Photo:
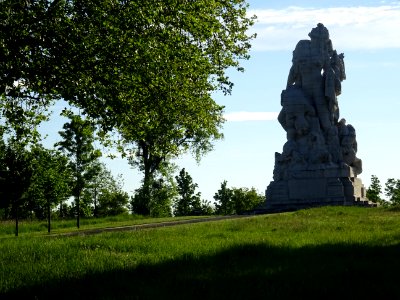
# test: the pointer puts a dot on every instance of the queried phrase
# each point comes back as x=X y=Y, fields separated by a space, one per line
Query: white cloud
x=350 y=28
x=250 y=116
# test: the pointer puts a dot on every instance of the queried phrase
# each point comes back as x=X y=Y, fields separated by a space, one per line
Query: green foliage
x=113 y=203
x=392 y=190
x=20 y=119
x=146 y=69
x=16 y=175
x=157 y=192
x=183 y=51
x=374 y=190
x=126 y=62
x=188 y=202
x=162 y=193
x=206 y=208
x=103 y=194
x=77 y=142
x=223 y=200
x=50 y=180
x=139 y=203
x=245 y=199
x=24 y=66
x=236 y=200
x=85 y=206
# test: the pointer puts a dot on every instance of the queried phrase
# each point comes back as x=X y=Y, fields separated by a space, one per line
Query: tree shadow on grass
x=247 y=272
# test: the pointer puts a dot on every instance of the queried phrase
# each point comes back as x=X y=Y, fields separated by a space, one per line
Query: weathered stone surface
x=318 y=164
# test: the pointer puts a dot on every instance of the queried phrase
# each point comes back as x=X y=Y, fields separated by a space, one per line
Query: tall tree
x=188 y=201
x=374 y=190
x=77 y=143
x=147 y=69
x=192 y=45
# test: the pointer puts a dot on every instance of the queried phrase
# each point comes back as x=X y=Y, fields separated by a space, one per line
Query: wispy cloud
x=351 y=28
x=242 y=116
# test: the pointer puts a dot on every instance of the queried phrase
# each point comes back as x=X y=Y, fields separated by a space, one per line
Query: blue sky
x=368 y=34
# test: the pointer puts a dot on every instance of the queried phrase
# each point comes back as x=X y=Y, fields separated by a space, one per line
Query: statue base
x=338 y=186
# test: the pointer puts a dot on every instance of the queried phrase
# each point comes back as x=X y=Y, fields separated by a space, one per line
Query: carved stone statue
x=318 y=164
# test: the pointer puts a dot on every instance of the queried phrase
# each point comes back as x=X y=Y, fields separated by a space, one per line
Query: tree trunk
x=61 y=213
x=78 y=211
x=95 y=203
x=48 y=216
x=146 y=191
x=150 y=165
x=144 y=206
x=16 y=219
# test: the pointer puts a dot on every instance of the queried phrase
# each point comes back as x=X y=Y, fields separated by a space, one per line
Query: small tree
x=16 y=163
x=50 y=181
x=188 y=202
x=392 y=190
x=374 y=190
x=223 y=199
x=78 y=139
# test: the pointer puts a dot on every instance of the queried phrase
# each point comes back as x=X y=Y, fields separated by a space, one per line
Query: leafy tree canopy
x=146 y=69
x=110 y=57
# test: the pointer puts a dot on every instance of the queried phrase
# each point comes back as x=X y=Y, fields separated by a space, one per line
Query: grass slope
x=345 y=252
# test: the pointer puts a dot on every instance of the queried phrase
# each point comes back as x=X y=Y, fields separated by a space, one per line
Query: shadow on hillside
x=330 y=271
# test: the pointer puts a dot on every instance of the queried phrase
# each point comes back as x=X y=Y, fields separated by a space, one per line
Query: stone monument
x=318 y=164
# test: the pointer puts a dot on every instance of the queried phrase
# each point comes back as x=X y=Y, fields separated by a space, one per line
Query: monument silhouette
x=318 y=164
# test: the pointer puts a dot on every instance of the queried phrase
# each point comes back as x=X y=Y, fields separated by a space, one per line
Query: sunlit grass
x=324 y=250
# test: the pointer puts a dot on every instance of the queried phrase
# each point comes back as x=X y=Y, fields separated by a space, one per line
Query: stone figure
x=296 y=112
x=318 y=162
x=348 y=144
x=311 y=60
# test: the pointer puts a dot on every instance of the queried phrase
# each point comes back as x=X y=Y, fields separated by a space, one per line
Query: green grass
x=29 y=228
x=343 y=252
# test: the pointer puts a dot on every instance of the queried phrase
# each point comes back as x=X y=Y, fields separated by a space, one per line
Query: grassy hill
x=346 y=252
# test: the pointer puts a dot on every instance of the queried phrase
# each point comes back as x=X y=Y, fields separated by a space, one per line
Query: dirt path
x=147 y=226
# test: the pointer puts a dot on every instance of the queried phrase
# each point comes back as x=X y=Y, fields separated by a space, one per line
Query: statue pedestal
x=308 y=188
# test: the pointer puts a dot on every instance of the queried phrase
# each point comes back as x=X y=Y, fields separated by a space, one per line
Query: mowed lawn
x=330 y=252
